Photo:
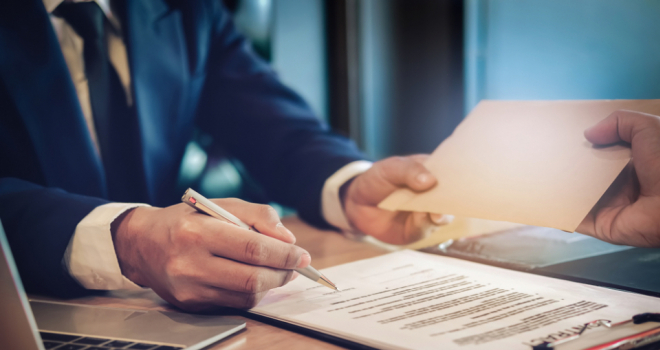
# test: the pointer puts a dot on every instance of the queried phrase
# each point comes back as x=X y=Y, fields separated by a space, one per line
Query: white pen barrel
x=310 y=273
x=191 y=197
x=200 y=203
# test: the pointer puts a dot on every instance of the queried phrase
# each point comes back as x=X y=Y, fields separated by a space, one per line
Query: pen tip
x=326 y=282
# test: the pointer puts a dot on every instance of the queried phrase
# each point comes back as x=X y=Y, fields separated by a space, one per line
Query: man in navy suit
x=97 y=102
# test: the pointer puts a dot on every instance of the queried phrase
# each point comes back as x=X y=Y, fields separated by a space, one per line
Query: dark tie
x=116 y=124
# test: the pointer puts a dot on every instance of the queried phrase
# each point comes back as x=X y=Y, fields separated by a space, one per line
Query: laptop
x=40 y=325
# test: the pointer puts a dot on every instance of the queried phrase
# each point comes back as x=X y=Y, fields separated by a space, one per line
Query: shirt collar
x=51 y=5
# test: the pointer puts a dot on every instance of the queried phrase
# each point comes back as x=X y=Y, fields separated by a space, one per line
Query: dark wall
x=427 y=73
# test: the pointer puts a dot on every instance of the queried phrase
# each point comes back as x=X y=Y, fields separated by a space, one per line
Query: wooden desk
x=327 y=249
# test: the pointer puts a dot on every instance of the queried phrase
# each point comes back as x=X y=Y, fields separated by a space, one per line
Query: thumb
x=642 y=131
x=390 y=174
x=622 y=125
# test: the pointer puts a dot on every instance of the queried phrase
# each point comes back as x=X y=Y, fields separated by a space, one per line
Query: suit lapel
x=36 y=76
x=156 y=48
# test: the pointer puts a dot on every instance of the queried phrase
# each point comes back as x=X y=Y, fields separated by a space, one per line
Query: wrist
x=337 y=192
x=123 y=230
x=121 y=223
x=345 y=196
x=343 y=193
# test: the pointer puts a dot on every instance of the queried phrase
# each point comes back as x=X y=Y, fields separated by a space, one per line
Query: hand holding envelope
x=529 y=162
x=629 y=212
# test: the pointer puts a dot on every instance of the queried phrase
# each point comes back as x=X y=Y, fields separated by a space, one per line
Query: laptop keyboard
x=59 y=341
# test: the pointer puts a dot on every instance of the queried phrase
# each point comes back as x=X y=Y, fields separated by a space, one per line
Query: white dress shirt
x=90 y=256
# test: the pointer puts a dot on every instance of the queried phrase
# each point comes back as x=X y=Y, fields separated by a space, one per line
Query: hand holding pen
x=197 y=262
x=203 y=205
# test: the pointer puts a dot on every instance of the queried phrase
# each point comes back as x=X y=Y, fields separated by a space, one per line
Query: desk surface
x=327 y=249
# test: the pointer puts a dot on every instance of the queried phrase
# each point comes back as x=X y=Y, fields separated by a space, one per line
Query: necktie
x=116 y=124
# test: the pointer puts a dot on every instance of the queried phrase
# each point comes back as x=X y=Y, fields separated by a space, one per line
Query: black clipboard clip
x=628 y=342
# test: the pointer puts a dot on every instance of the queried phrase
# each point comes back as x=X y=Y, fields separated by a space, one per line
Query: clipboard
x=639 y=331
x=409 y=282
x=328 y=338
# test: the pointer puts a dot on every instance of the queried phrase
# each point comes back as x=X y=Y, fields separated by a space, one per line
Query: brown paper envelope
x=525 y=162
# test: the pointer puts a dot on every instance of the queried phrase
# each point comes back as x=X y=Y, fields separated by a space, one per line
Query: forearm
x=268 y=127
x=39 y=223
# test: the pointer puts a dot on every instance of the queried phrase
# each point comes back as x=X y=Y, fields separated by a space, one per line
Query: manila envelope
x=526 y=162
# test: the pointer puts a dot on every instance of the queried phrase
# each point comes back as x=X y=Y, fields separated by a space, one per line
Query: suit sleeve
x=39 y=223
x=267 y=126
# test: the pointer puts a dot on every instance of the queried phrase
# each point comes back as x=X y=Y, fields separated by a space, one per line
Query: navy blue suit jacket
x=189 y=67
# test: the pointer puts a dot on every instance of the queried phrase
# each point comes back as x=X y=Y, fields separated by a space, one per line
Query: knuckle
x=415 y=166
x=186 y=298
x=287 y=278
x=268 y=211
x=185 y=224
x=232 y=201
x=251 y=300
x=651 y=121
x=290 y=258
x=175 y=268
x=254 y=282
x=381 y=170
x=398 y=160
x=255 y=251
x=186 y=232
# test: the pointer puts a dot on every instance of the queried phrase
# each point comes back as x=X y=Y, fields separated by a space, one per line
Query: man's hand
x=197 y=262
x=629 y=212
x=362 y=195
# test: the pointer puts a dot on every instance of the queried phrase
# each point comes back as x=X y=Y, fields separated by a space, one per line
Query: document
x=526 y=162
x=413 y=300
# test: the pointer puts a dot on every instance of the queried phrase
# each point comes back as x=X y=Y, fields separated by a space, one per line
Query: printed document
x=413 y=300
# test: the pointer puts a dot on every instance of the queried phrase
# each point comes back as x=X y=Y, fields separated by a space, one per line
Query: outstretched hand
x=363 y=194
x=629 y=212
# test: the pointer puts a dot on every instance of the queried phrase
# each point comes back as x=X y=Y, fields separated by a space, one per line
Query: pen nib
x=326 y=282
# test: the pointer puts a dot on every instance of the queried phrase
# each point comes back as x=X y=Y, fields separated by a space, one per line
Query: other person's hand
x=197 y=262
x=629 y=212
x=362 y=195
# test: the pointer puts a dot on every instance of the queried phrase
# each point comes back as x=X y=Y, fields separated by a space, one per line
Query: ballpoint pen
x=202 y=204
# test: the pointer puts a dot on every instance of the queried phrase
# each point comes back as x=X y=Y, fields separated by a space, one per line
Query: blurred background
x=397 y=76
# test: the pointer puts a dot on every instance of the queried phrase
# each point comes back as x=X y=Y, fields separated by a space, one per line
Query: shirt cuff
x=90 y=257
x=331 y=205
